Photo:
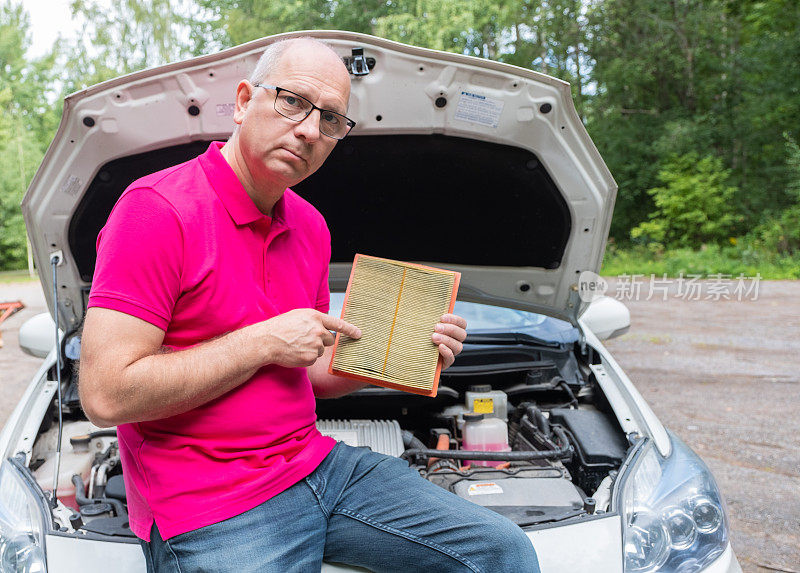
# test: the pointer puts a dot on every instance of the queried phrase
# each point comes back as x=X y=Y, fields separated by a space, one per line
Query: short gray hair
x=272 y=56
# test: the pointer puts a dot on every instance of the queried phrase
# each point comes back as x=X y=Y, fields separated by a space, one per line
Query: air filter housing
x=382 y=436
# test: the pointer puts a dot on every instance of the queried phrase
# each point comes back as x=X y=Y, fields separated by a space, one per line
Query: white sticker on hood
x=484 y=488
x=71 y=187
x=476 y=108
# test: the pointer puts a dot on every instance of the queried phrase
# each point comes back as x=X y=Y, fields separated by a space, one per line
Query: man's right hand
x=299 y=337
x=127 y=377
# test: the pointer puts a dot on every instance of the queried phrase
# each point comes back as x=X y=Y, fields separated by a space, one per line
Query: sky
x=49 y=18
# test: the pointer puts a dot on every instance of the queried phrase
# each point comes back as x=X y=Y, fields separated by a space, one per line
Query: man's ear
x=244 y=93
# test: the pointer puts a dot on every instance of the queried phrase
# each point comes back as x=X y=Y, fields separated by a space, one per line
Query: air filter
x=396 y=306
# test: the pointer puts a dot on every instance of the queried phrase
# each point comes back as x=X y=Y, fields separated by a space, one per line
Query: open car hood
x=459 y=162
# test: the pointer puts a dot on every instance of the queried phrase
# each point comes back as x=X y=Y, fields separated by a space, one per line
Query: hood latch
x=358 y=64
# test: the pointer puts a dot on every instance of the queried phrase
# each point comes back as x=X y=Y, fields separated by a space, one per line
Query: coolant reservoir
x=481 y=399
x=71 y=464
x=74 y=460
x=484 y=435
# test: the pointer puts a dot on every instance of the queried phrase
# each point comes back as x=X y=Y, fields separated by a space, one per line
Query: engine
x=538 y=444
x=535 y=467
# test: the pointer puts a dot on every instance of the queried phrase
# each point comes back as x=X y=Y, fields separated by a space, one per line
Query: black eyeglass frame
x=349 y=122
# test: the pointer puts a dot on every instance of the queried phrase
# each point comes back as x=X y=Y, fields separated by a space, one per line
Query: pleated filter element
x=396 y=305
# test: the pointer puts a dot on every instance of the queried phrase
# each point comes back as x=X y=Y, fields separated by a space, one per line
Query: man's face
x=277 y=150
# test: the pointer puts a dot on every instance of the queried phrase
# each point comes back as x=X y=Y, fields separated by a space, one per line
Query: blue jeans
x=358 y=508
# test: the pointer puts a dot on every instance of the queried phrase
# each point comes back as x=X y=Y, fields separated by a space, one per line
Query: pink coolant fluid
x=485 y=435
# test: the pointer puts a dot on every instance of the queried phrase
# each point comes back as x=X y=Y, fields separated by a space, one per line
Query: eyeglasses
x=295 y=107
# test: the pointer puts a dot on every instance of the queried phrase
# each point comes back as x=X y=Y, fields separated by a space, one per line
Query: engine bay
x=519 y=426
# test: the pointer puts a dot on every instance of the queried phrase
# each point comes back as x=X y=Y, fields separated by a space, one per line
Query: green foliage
x=665 y=75
x=436 y=24
x=626 y=145
x=129 y=35
x=781 y=233
x=768 y=84
x=686 y=100
x=19 y=157
x=549 y=36
x=25 y=122
x=244 y=20
x=693 y=207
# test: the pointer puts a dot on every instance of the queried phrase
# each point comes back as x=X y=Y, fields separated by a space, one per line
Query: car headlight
x=21 y=525
x=674 y=518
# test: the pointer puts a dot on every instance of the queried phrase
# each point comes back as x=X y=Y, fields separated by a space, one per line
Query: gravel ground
x=721 y=374
x=16 y=367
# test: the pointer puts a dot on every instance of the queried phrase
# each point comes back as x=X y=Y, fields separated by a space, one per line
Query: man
x=206 y=342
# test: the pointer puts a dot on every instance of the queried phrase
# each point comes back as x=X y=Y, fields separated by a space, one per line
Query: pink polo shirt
x=186 y=250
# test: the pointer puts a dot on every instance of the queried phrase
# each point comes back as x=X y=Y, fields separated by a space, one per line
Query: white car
x=594 y=479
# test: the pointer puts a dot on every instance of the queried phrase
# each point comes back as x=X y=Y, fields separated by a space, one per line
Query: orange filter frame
x=424 y=391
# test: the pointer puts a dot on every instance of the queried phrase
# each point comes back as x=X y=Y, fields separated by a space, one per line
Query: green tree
x=663 y=74
x=781 y=233
x=20 y=155
x=654 y=80
x=436 y=24
x=768 y=103
x=546 y=35
x=130 y=35
x=559 y=43
x=245 y=20
x=693 y=207
x=26 y=122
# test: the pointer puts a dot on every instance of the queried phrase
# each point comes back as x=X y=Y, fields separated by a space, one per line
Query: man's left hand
x=449 y=335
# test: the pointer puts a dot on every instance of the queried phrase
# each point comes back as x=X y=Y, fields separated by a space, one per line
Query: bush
x=693 y=208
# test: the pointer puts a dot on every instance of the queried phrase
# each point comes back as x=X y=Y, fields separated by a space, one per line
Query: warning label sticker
x=479 y=109
x=484 y=488
x=483 y=405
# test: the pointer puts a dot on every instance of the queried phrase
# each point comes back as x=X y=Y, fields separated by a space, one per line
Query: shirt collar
x=232 y=193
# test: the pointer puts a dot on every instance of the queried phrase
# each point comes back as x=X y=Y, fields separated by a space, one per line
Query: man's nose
x=308 y=129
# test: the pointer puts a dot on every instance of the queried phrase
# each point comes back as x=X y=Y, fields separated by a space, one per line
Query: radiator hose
x=564 y=450
x=81 y=499
x=411 y=441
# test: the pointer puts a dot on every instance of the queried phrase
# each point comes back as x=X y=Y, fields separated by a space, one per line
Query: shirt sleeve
x=323 y=291
x=140 y=258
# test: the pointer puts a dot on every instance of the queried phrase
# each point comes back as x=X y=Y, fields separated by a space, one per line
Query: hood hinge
x=573 y=310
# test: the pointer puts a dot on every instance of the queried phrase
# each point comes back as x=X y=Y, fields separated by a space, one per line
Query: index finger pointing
x=339 y=325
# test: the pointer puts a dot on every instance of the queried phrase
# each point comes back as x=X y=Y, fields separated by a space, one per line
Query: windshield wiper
x=510 y=338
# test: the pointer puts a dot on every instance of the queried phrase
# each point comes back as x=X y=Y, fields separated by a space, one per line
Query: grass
x=711 y=260
x=17 y=276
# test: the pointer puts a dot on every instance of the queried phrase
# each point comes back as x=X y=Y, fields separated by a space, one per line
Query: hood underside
x=459 y=162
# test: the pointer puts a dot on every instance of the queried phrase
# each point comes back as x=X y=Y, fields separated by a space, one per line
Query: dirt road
x=722 y=374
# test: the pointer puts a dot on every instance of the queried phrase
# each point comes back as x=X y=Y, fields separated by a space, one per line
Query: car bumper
x=593 y=545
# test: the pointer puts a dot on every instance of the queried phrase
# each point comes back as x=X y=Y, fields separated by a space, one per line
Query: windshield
x=484 y=318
